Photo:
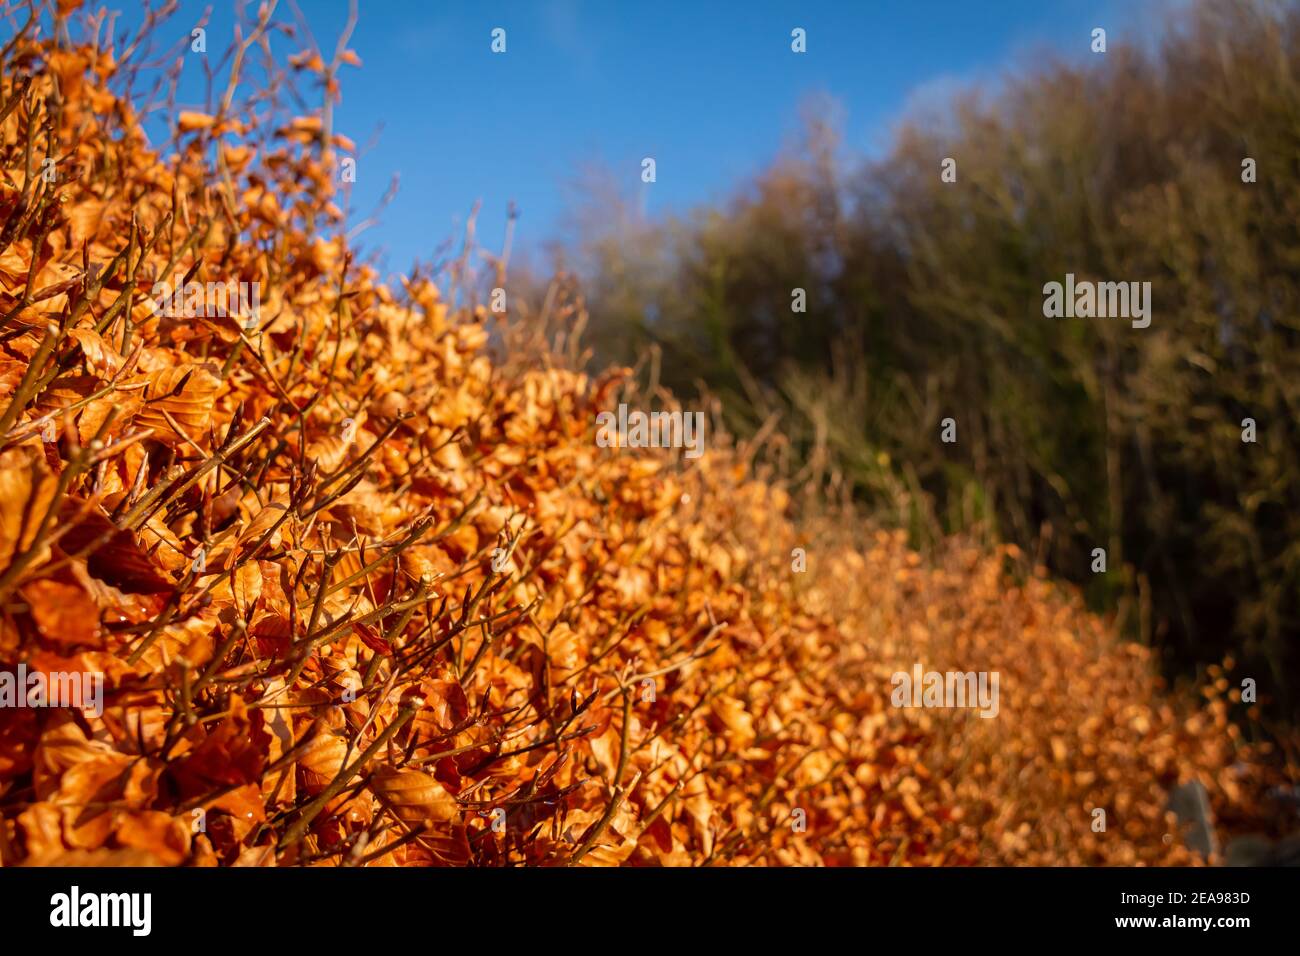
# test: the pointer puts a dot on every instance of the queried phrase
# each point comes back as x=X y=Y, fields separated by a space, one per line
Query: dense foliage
x=365 y=590
x=924 y=300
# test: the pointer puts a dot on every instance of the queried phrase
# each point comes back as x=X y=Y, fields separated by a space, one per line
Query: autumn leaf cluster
x=364 y=589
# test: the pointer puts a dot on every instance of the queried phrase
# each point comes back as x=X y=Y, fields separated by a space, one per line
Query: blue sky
x=711 y=90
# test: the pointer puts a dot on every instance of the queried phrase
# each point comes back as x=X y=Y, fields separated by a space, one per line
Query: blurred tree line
x=924 y=300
